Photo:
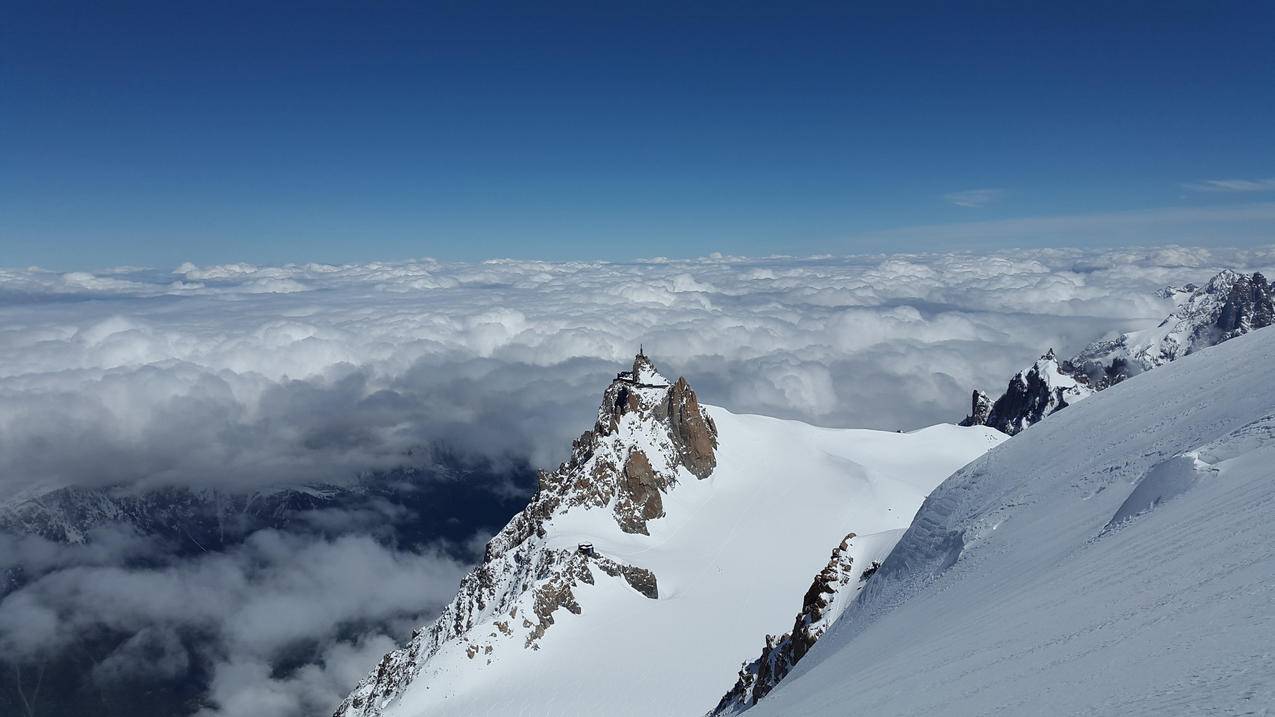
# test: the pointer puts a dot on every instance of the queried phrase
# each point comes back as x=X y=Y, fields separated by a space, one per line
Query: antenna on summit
x=640 y=352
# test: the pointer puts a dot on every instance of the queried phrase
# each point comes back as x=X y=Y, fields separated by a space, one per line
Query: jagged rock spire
x=640 y=412
x=980 y=409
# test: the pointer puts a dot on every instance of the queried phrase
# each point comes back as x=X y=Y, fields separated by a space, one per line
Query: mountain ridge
x=1230 y=304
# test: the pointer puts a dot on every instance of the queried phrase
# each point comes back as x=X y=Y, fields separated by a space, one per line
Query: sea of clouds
x=240 y=377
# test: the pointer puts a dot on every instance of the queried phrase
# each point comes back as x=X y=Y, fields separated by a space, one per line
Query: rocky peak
x=1250 y=304
x=644 y=373
x=649 y=434
x=1031 y=395
x=1221 y=283
x=980 y=409
x=646 y=430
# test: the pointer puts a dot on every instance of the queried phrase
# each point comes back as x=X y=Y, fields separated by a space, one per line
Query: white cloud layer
x=239 y=376
x=246 y=374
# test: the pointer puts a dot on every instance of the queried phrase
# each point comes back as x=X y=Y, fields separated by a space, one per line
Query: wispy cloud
x=973 y=197
x=1232 y=185
x=1243 y=224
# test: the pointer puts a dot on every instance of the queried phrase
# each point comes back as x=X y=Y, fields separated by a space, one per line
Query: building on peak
x=644 y=373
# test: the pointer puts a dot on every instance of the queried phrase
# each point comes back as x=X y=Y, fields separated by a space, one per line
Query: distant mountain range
x=1229 y=305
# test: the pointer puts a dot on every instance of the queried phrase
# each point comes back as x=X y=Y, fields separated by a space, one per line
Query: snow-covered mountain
x=702 y=529
x=1229 y=305
x=1115 y=559
x=1032 y=394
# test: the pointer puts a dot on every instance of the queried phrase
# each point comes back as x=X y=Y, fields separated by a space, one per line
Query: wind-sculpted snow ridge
x=649 y=434
x=1116 y=559
x=684 y=568
x=1229 y=305
x=831 y=592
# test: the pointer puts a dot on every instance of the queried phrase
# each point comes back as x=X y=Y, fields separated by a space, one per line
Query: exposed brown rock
x=641 y=580
x=693 y=431
x=780 y=654
x=642 y=489
x=554 y=594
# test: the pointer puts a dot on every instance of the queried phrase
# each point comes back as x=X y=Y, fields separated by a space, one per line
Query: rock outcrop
x=829 y=594
x=1031 y=395
x=649 y=435
x=980 y=409
x=1229 y=305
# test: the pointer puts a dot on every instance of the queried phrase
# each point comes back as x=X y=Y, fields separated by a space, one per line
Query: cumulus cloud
x=973 y=197
x=199 y=376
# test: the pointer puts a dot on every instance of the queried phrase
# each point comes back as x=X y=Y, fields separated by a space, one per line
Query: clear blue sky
x=158 y=133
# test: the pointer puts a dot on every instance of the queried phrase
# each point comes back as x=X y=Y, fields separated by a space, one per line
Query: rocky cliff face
x=980 y=409
x=1229 y=305
x=832 y=590
x=1250 y=304
x=1031 y=395
x=649 y=434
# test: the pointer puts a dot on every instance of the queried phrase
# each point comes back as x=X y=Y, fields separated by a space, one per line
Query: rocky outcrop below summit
x=828 y=596
x=649 y=435
x=1229 y=305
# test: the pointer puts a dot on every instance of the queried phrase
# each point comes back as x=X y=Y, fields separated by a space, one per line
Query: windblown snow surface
x=732 y=555
x=1118 y=558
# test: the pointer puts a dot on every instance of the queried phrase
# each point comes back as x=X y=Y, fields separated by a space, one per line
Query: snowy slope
x=730 y=554
x=1118 y=558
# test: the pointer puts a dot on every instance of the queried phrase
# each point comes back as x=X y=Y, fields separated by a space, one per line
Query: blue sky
x=159 y=133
